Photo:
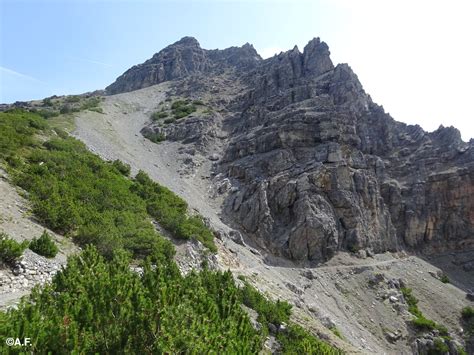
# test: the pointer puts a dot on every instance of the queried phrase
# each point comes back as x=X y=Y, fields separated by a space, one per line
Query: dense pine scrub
x=268 y=312
x=100 y=306
x=170 y=211
x=74 y=192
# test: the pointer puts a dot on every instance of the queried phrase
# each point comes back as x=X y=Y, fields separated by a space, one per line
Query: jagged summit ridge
x=186 y=57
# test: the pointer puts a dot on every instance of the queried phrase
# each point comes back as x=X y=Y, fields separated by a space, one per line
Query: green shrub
x=17 y=128
x=440 y=347
x=121 y=167
x=467 y=313
x=65 y=109
x=198 y=103
x=47 y=113
x=96 y=109
x=336 y=332
x=91 y=103
x=182 y=108
x=297 y=340
x=44 y=246
x=411 y=301
x=424 y=324
x=445 y=279
x=170 y=120
x=155 y=137
x=47 y=102
x=159 y=115
x=268 y=312
x=10 y=250
x=73 y=99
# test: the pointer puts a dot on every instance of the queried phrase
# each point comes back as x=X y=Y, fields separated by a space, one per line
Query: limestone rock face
x=182 y=59
x=315 y=166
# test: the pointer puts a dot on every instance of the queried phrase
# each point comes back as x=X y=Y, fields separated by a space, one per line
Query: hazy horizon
x=413 y=59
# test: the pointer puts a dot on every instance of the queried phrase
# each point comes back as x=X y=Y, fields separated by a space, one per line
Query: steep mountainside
x=311 y=165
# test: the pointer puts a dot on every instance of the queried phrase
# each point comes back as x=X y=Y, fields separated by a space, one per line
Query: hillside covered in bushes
x=124 y=293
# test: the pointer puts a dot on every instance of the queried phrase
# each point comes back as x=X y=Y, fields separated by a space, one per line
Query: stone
x=272 y=328
x=393 y=337
x=214 y=157
x=293 y=288
x=327 y=322
x=393 y=299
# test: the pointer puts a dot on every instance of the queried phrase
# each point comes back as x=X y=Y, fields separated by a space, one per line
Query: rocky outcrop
x=312 y=165
x=182 y=59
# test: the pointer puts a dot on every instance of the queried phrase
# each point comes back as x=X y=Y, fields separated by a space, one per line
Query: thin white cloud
x=19 y=75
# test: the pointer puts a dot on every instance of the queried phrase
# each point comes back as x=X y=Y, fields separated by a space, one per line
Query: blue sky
x=414 y=59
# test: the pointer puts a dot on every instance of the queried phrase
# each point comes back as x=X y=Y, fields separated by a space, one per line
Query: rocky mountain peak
x=183 y=58
x=187 y=41
x=316 y=57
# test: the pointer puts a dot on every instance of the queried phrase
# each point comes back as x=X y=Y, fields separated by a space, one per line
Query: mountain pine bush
x=10 y=249
x=44 y=246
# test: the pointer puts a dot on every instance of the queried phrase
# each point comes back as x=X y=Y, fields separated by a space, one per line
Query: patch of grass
x=336 y=332
x=198 y=103
x=411 y=301
x=420 y=321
